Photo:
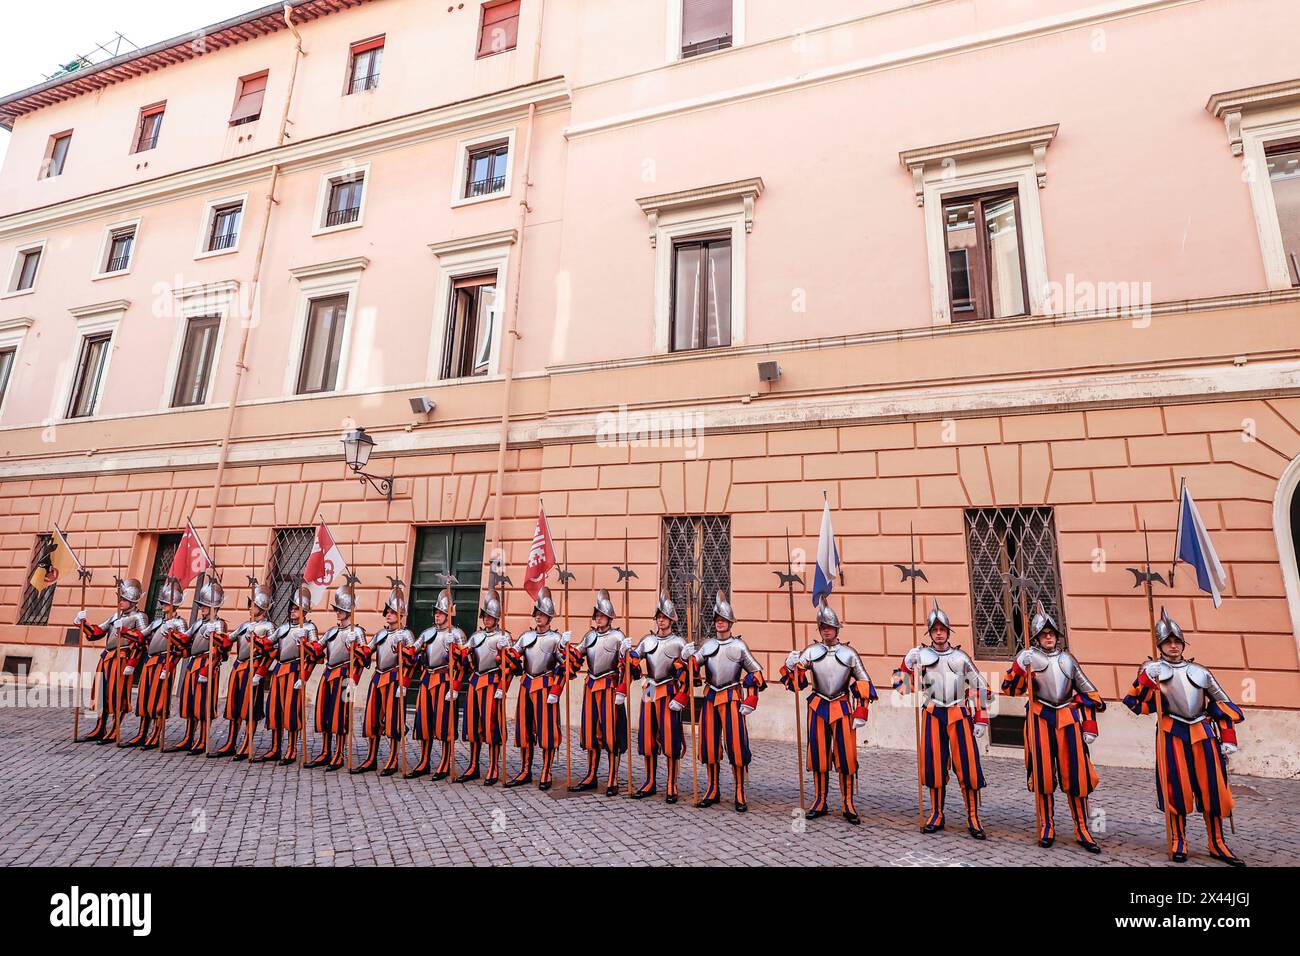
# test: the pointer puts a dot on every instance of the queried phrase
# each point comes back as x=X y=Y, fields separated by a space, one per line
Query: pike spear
x=788 y=580
x=1162 y=767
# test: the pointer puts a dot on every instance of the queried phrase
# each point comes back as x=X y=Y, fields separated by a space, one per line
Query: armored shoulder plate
x=928 y=656
x=845 y=655
x=589 y=640
x=1198 y=675
x=815 y=653
x=710 y=647
x=528 y=639
x=649 y=644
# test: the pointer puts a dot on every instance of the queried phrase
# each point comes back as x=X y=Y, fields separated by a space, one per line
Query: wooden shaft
x=1031 y=728
x=916 y=692
x=1162 y=771
x=568 y=699
x=76 y=702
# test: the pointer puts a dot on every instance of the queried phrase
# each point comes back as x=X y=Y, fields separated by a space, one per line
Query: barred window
x=696 y=557
x=289 y=556
x=1003 y=543
x=164 y=554
x=35 y=609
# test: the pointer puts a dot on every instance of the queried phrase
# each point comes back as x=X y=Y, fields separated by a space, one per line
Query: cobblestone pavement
x=65 y=804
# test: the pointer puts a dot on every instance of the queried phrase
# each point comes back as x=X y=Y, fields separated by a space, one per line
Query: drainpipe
x=511 y=331
x=255 y=283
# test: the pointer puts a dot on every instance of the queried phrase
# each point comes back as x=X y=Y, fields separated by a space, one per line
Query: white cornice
x=488 y=240
x=15 y=325
x=1234 y=104
x=1033 y=142
x=331 y=268
x=744 y=191
x=434 y=123
x=100 y=308
x=214 y=290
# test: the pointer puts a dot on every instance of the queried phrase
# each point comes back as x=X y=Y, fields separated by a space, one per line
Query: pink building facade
x=996 y=275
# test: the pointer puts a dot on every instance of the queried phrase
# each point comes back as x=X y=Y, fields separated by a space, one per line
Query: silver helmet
x=1040 y=622
x=1167 y=629
x=491 y=606
x=171 y=593
x=666 y=607
x=544 y=604
x=722 y=608
x=345 y=598
x=212 y=594
x=937 y=616
x=129 y=589
x=302 y=598
x=444 y=602
x=263 y=597
x=826 y=615
x=396 y=600
x=603 y=605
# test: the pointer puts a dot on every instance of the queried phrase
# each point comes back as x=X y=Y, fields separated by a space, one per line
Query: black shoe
x=1179 y=858
x=741 y=806
x=642 y=794
x=134 y=742
x=1046 y=842
x=441 y=775
x=670 y=799
x=544 y=786
x=467 y=776
x=1089 y=846
x=1229 y=859
x=517 y=781
x=416 y=773
x=268 y=758
x=388 y=771
x=364 y=768
x=978 y=834
x=583 y=787
x=814 y=814
x=932 y=828
x=241 y=757
x=490 y=781
x=611 y=791
x=221 y=753
x=197 y=751
x=706 y=802
x=286 y=761
x=852 y=817
x=318 y=761
x=332 y=767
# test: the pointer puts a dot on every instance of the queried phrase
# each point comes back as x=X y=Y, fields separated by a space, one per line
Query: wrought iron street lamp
x=357 y=446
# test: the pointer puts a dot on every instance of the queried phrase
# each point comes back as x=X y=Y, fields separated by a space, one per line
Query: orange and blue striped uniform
x=723 y=728
x=435 y=715
x=660 y=729
x=604 y=720
x=197 y=697
x=537 y=723
x=832 y=742
x=111 y=680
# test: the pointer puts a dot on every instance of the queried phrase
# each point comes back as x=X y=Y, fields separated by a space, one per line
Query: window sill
x=110 y=275
x=214 y=253
x=341 y=227
x=475 y=200
x=18 y=292
x=488 y=56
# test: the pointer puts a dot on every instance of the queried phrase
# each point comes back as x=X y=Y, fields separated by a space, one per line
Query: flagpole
x=1178 y=529
x=916 y=686
x=627 y=661
x=84 y=575
x=1162 y=768
x=568 y=697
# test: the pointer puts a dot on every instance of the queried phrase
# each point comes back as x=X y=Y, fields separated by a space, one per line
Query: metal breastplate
x=292 y=641
x=540 y=652
x=1053 y=677
x=660 y=656
x=161 y=632
x=946 y=679
x=249 y=630
x=339 y=643
x=483 y=650
x=830 y=669
x=724 y=662
x=437 y=646
x=115 y=625
x=1184 y=697
x=602 y=651
x=389 y=644
x=201 y=635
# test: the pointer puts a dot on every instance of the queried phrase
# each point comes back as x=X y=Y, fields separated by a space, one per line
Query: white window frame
x=327 y=181
x=105 y=317
x=674 y=31
x=105 y=244
x=460 y=259
x=460 y=179
x=13 y=332
x=1256 y=134
x=210 y=207
x=193 y=302
x=321 y=282
x=15 y=265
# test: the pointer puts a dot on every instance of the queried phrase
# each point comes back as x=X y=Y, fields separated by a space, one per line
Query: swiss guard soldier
x=441 y=650
x=1195 y=736
x=1061 y=721
x=732 y=679
x=198 y=691
x=386 y=704
x=949 y=729
x=604 y=717
x=662 y=657
x=251 y=642
x=344 y=653
x=153 y=700
x=485 y=711
x=837 y=709
x=539 y=658
x=123 y=635
x=285 y=698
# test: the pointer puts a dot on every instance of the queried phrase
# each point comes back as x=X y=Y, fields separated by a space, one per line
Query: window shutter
x=500 y=30
x=365 y=46
x=249 y=105
x=705 y=20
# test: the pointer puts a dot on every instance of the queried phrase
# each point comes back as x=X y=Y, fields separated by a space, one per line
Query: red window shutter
x=249 y=104
x=500 y=30
x=365 y=46
x=704 y=20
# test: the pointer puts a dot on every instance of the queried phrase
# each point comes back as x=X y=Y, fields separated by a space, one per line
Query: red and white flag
x=191 y=558
x=323 y=564
x=541 y=558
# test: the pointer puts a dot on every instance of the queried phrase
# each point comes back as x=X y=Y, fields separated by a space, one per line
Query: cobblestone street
x=86 y=805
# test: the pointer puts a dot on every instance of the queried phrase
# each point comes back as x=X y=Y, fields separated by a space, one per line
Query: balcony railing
x=339 y=217
x=706 y=46
x=485 y=187
x=118 y=263
x=147 y=143
x=362 y=83
x=222 y=240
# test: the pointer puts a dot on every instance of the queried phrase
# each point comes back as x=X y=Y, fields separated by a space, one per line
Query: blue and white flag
x=1195 y=548
x=828 y=559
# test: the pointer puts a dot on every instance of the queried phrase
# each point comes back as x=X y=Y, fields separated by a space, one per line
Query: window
x=1284 y=177
x=148 y=128
x=460 y=548
x=90 y=374
x=121 y=243
x=468 y=349
x=7 y=357
x=696 y=549
x=289 y=553
x=248 y=103
x=499 y=29
x=344 y=204
x=706 y=26
x=701 y=294
x=164 y=552
x=223 y=230
x=986 y=270
x=363 y=67
x=1002 y=541
x=56 y=155
x=486 y=173
x=35 y=609
x=322 y=344
x=29 y=261
x=197 y=354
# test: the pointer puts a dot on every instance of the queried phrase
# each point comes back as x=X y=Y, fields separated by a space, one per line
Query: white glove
x=128 y=669
x=792 y=660
x=620 y=700
x=858 y=723
x=1227 y=749
x=675 y=707
x=552 y=699
x=1158 y=671
x=688 y=652
x=980 y=730
x=503 y=643
x=1022 y=659
x=450 y=695
x=257 y=679
x=297 y=685
x=203 y=679
x=1089 y=738
x=746 y=710
x=498 y=695
x=909 y=660
x=81 y=616
x=624 y=646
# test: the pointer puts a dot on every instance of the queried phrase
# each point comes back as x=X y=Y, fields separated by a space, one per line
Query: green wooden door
x=437 y=548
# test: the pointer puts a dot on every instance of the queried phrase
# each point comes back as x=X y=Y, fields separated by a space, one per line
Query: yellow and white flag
x=61 y=563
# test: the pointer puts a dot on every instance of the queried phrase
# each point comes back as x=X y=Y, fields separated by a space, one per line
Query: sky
x=60 y=32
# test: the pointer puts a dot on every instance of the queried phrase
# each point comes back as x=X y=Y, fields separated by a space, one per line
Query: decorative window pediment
x=966 y=152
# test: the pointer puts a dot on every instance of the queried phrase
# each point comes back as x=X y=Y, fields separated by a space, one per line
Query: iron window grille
x=164 y=554
x=289 y=553
x=35 y=608
x=695 y=553
x=486 y=173
x=119 y=250
x=225 y=227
